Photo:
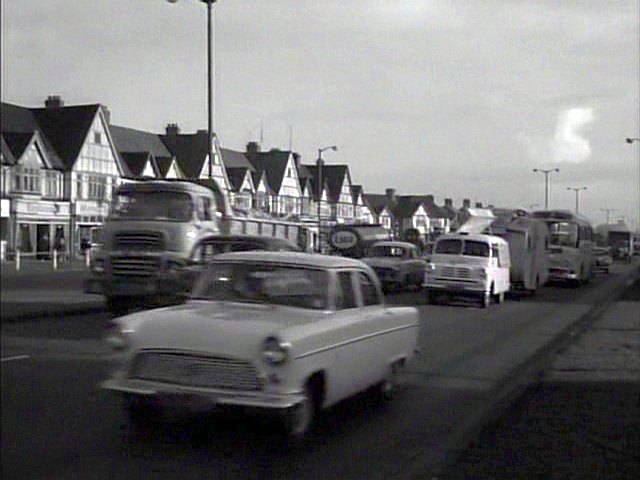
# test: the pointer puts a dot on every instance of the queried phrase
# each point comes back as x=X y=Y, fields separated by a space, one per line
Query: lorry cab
x=469 y=264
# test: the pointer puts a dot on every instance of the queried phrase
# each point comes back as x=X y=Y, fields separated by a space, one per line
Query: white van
x=468 y=264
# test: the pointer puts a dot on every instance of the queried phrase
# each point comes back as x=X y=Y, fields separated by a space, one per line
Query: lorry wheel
x=486 y=298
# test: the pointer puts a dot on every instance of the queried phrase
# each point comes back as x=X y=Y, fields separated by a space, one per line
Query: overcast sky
x=455 y=98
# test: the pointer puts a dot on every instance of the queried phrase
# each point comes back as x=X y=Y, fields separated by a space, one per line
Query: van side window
x=204 y=209
x=368 y=290
x=345 y=295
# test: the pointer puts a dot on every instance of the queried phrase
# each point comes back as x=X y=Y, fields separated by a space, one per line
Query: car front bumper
x=161 y=392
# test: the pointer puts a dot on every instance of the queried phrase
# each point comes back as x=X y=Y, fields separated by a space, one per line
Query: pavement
x=37 y=290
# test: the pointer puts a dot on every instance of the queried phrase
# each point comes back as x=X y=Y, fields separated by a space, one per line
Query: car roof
x=314 y=260
x=393 y=243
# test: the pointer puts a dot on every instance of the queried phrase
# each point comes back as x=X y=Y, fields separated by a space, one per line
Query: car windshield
x=159 y=205
x=387 y=251
x=263 y=283
x=471 y=248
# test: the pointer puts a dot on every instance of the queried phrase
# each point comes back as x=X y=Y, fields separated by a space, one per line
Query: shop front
x=5 y=226
x=40 y=226
x=88 y=215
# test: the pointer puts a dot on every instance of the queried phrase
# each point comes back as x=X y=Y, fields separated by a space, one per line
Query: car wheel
x=299 y=418
x=387 y=389
x=140 y=413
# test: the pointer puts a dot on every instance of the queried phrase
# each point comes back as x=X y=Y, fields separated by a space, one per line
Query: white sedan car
x=278 y=331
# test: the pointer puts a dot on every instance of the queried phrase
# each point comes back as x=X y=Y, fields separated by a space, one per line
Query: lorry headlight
x=275 y=352
x=97 y=266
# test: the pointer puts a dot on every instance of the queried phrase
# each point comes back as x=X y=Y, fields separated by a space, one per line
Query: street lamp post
x=577 y=190
x=546 y=172
x=319 y=188
x=630 y=140
x=209 y=83
x=608 y=212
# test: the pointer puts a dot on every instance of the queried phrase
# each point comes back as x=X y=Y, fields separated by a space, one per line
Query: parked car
x=397 y=264
x=283 y=332
x=602 y=259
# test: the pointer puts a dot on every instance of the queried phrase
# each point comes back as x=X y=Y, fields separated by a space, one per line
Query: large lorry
x=618 y=237
x=353 y=240
x=149 y=237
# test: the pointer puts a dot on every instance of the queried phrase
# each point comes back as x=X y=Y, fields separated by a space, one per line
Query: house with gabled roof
x=361 y=208
x=66 y=166
x=281 y=177
x=191 y=152
x=239 y=170
x=144 y=153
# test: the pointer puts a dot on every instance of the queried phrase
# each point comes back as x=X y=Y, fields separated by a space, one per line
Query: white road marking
x=15 y=357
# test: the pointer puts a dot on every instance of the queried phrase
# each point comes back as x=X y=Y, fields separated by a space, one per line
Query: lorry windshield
x=263 y=283
x=563 y=234
x=159 y=205
x=471 y=248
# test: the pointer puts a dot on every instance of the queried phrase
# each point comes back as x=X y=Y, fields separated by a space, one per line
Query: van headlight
x=275 y=352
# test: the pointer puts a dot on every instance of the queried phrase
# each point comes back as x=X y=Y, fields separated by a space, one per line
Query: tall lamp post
x=577 y=191
x=320 y=163
x=209 y=83
x=546 y=172
x=630 y=141
x=608 y=212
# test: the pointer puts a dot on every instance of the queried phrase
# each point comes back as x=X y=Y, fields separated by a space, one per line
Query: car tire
x=387 y=388
x=299 y=419
x=141 y=413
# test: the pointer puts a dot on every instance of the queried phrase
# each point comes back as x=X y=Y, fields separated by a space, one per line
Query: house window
x=51 y=186
x=26 y=179
x=97 y=187
x=97 y=138
x=289 y=172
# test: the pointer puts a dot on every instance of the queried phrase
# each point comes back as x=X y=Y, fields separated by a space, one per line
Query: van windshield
x=160 y=205
x=470 y=248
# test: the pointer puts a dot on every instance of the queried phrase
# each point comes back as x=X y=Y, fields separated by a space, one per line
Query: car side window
x=345 y=295
x=368 y=290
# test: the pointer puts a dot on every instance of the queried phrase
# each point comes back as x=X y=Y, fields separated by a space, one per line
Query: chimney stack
x=466 y=203
x=429 y=199
x=390 y=193
x=106 y=114
x=172 y=129
x=253 y=148
x=53 y=101
x=478 y=204
x=448 y=202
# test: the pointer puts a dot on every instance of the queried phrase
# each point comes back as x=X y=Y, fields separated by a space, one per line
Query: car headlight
x=275 y=352
x=97 y=266
x=118 y=338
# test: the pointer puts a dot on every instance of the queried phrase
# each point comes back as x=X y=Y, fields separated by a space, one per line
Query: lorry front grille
x=135 y=266
x=456 y=272
x=196 y=371
x=139 y=241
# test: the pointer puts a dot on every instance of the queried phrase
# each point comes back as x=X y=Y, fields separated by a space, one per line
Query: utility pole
x=546 y=173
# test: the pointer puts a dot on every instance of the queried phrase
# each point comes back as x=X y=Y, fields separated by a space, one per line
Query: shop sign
x=4 y=208
x=91 y=209
x=52 y=209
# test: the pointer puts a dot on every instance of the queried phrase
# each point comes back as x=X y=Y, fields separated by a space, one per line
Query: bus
x=571 y=242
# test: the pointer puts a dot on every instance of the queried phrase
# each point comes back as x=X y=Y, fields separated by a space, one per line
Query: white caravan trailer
x=528 y=240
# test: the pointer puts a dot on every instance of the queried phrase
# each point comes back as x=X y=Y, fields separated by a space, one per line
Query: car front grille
x=196 y=371
x=139 y=266
x=139 y=241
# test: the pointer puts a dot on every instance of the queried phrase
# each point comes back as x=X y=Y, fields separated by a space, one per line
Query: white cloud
x=568 y=144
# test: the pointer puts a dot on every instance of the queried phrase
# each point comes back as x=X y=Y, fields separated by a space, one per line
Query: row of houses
x=60 y=165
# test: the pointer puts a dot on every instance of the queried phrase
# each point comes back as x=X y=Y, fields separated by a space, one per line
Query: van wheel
x=486 y=298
